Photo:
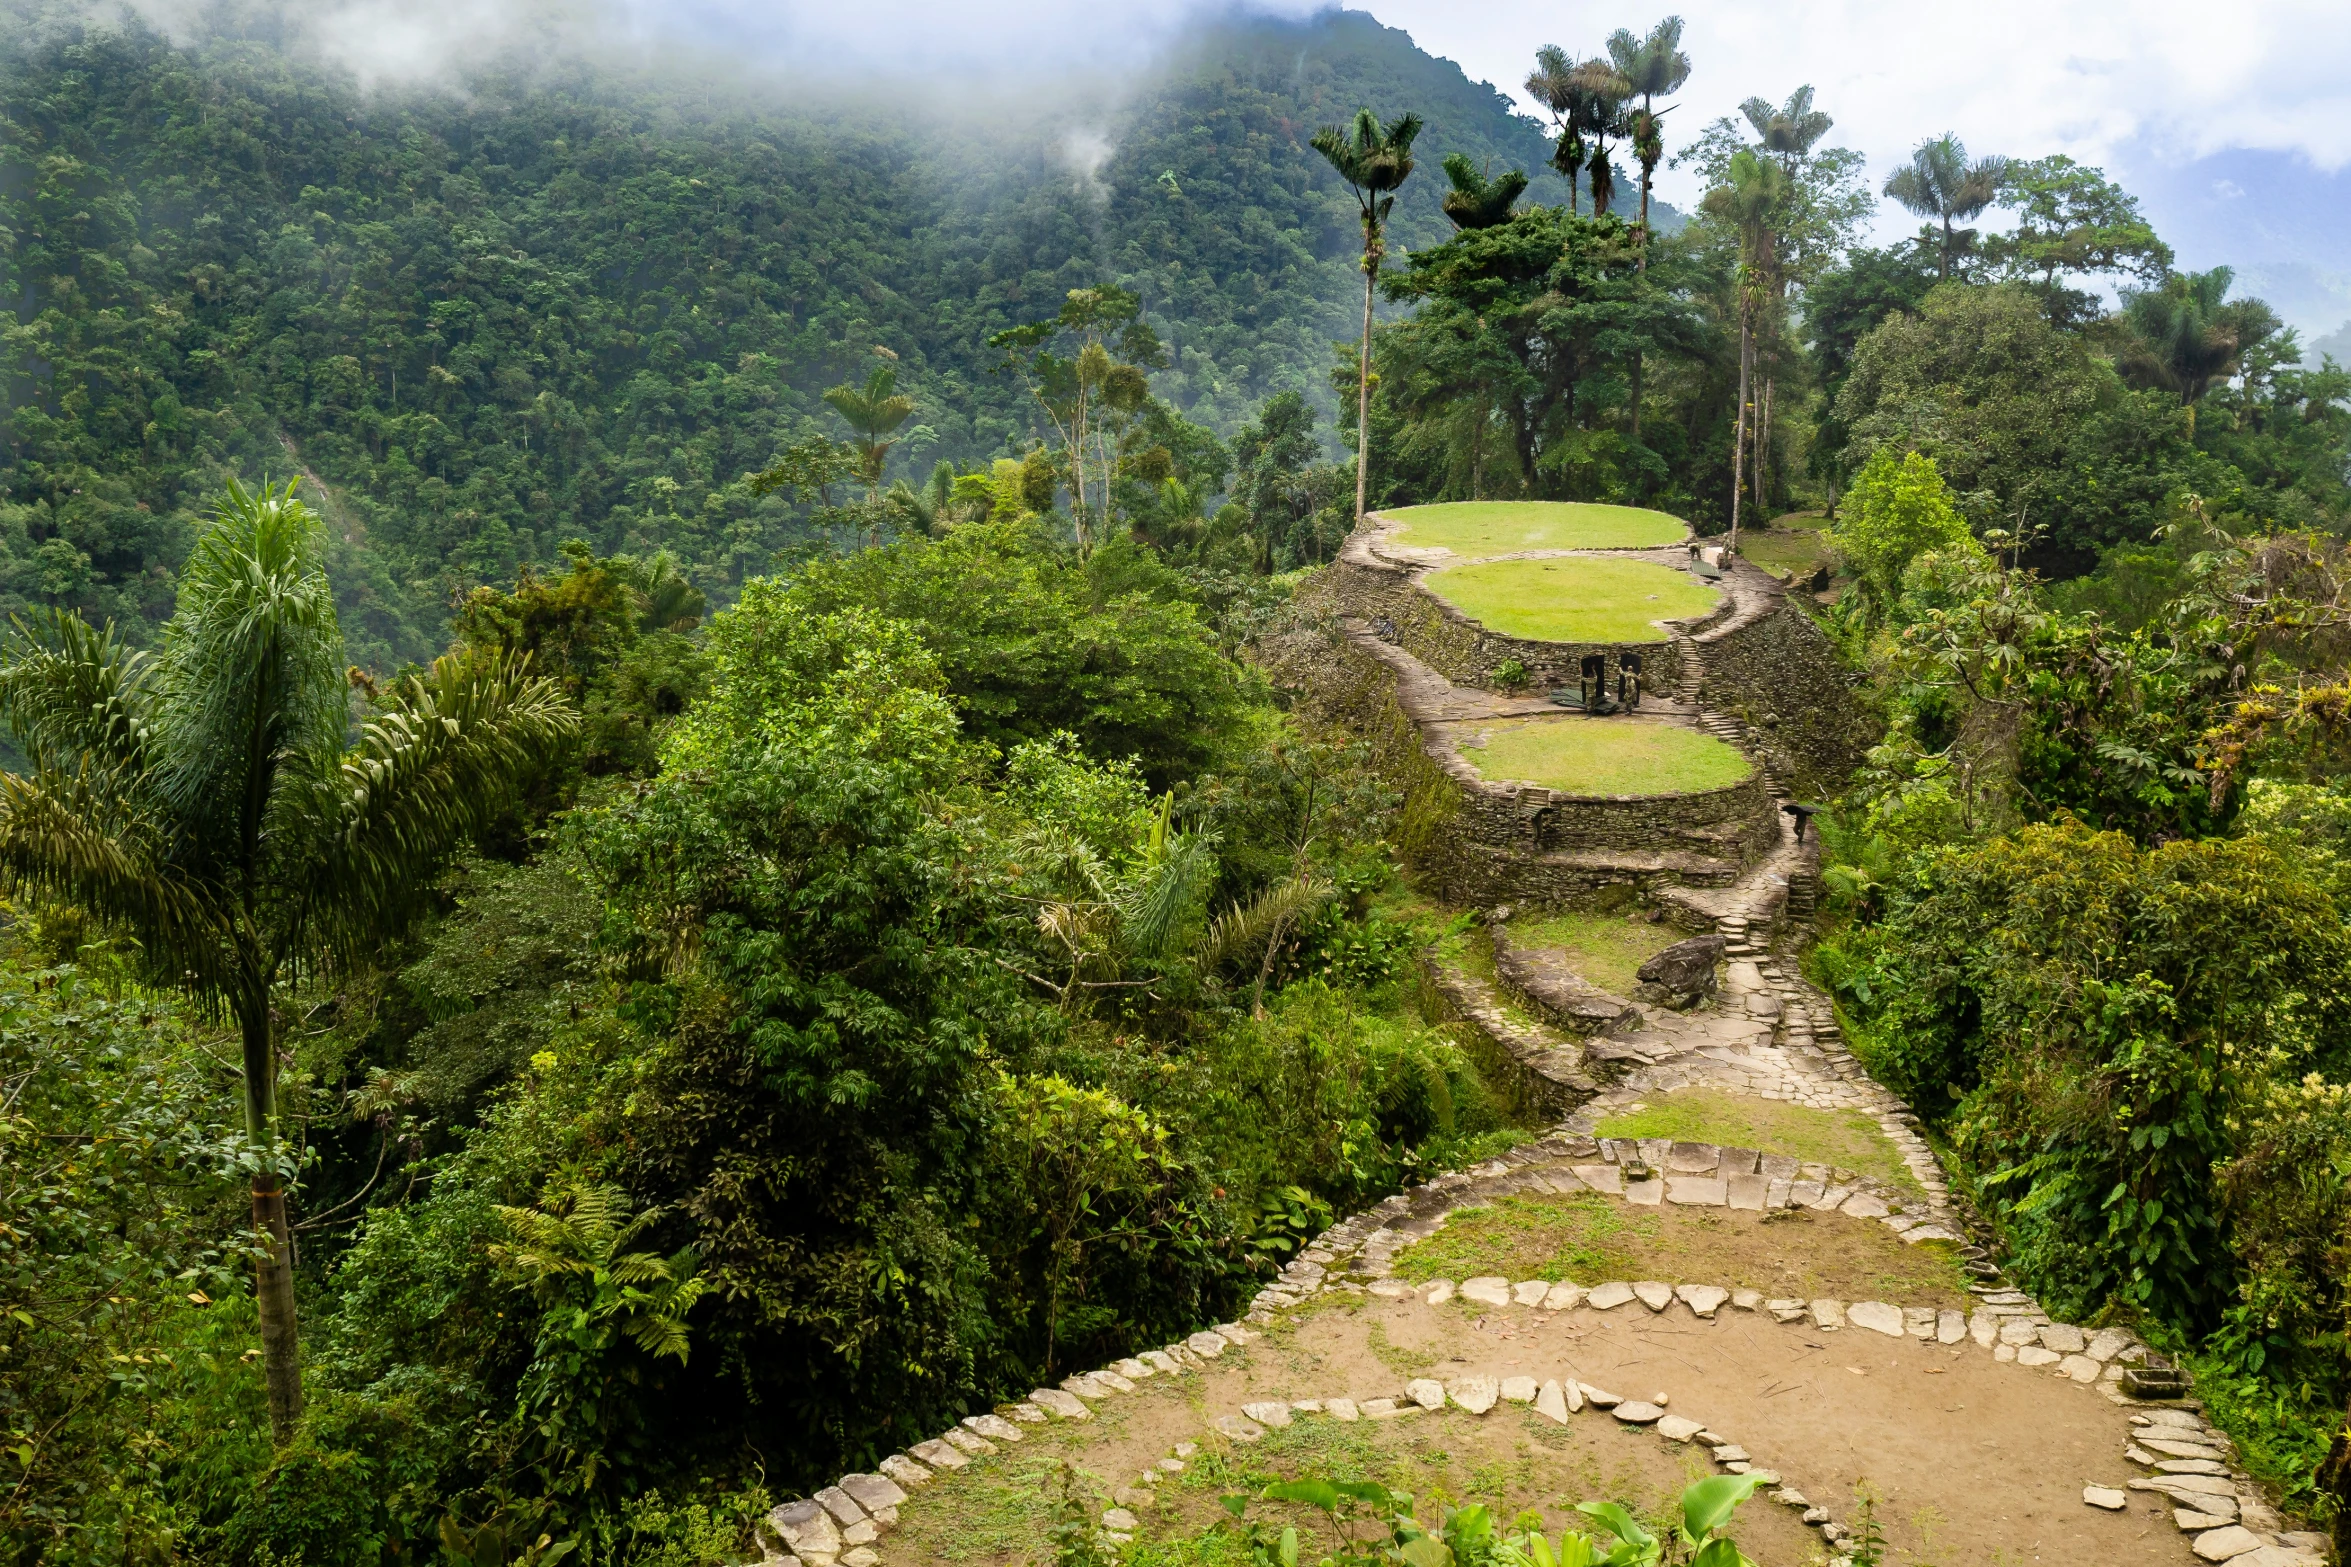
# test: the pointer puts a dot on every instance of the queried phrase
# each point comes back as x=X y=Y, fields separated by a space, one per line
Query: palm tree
x=1652 y=67
x=1559 y=84
x=1753 y=201
x=872 y=415
x=1374 y=161
x=2192 y=333
x=1939 y=184
x=203 y=800
x=1476 y=202
x=1605 y=92
x=1790 y=131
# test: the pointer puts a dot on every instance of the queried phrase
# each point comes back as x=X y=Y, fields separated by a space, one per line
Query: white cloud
x=2094 y=78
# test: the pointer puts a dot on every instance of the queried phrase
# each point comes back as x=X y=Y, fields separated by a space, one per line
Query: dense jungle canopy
x=662 y=828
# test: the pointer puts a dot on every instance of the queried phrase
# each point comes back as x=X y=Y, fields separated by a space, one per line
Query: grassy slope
x=1573 y=599
x=1606 y=949
x=1842 y=1139
x=1475 y=528
x=1597 y=756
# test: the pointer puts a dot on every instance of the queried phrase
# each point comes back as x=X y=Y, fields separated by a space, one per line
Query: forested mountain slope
x=564 y=304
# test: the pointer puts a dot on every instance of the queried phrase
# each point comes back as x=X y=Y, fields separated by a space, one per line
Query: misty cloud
x=937 y=47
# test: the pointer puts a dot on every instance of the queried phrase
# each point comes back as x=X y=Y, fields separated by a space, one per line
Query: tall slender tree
x=1942 y=186
x=205 y=800
x=1752 y=200
x=1559 y=84
x=1653 y=67
x=1788 y=132
x=1606 y=95
x=873 y=413
x=1375 y=161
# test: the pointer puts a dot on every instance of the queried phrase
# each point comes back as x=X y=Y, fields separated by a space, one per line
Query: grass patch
x=1606 y=949
x=1589 y=1239
x=1798 y=552
x=1843 y=1139
x=1573 y=599
x=1475 y=528
x=1603 y=756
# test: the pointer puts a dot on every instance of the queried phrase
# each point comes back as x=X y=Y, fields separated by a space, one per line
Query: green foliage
x=1510 y=377
x=121 y=1164
x=2079 y=1007
x=595 y=308
x=1898 y=510
x=1030 y=642
x=1369 y=1525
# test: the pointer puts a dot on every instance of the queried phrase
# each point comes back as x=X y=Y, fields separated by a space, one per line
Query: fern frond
x=1241 y=933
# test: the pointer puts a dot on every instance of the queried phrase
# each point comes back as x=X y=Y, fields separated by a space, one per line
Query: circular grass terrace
x=1589 y=598
x=1476 y=528
x=1604 y=756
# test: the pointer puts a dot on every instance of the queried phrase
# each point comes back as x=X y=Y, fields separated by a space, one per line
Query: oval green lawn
x=1475 y=528
x=1573 y=598
x=1606 y=756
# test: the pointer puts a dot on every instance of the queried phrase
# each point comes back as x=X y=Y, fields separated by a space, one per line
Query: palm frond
x=69 y=692
x=434 y=768
x=250 y=677
x=1241 y=933
x=78 y=837
x=1172 y=884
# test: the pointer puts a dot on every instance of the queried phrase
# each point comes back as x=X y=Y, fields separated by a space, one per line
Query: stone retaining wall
x=1773 y=666
x=1381 y=593
x=1479 y=841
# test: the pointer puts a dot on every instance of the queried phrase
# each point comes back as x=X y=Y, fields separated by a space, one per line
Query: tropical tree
x=1605 y=91
x=2072 y=218
x=1090 y=395
x=873 y=414
x=1374 y=161
x=1790 y=131
x=2191 y=333
x=204 y=801
x=1476 y=202
x=1751 y=201
x=1562 y=87
x=1942 y=186
x=1653 y=67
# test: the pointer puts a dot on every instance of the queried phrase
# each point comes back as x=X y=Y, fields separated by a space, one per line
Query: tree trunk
x=273 y=1273
x=1363 y=393
x=1763 y=452
x=1739 y=432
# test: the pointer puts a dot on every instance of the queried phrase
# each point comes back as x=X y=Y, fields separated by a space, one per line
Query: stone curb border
x=2223 y=1513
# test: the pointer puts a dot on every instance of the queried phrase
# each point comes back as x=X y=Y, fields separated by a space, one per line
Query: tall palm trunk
x=273 y=1271
x=1763 y=450
x=1739 y=426
x=1371 y=268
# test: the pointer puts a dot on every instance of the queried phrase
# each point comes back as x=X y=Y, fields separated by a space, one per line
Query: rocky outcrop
x=1682 y=975
x=1563 y=996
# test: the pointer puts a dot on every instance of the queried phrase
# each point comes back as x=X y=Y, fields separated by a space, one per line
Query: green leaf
x=1289 y=1547
x=1718 y=1553
x=1707 y=1505
x=1318 y=1494
x=1613 y=1517
x=1427 y=1551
